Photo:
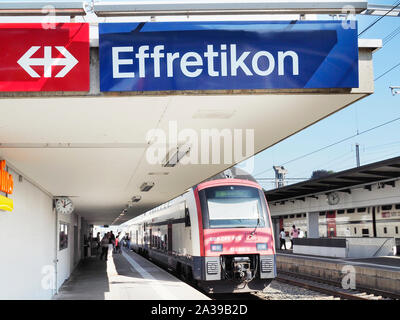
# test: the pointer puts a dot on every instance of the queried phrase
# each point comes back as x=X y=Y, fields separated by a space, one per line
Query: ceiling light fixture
x=146 y=186
x=158 y=173
x=136 y=198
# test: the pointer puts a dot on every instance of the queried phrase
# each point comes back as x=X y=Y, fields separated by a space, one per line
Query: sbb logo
x=39 y=59
x=26 y=61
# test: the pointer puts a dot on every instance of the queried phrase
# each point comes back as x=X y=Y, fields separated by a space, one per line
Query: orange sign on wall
x=6 y=179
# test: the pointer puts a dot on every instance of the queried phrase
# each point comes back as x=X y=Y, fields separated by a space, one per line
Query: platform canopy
x=384 y=172
x=93 y=146
x=200 y=7
x=177 y=7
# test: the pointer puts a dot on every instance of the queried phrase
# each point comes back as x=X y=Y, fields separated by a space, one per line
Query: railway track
x=333 y=288
x=327 y=287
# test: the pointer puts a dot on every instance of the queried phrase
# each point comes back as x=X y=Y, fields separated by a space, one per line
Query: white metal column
x=312 y=225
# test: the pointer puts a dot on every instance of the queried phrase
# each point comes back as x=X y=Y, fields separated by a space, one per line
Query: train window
x=322 y=213
x=387 y=207
x=285 y=217
x=365 y=232
x=291 y=216
x=63 y=235
x=350 y=210
x=340 y=212
x=398 y=206
x=385 y=230
x=397 y=230
x=187 y=217
x=298 y=215
x=385 y=214
x=304 y=215
x=361 y=209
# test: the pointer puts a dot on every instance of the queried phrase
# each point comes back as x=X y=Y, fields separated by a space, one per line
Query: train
x=217 y=234
x=351 y=222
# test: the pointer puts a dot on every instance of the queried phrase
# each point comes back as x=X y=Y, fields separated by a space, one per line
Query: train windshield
x=233 y=207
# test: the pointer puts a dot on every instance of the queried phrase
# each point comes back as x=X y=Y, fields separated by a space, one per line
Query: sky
x=380 y=107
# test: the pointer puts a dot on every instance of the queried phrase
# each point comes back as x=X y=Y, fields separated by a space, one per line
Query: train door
x=169 y=238
x=365 y=232
x=331 y=224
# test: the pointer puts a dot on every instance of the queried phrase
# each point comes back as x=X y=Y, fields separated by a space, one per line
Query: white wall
x=66 y=263
x=29 y=242
x=27 y=235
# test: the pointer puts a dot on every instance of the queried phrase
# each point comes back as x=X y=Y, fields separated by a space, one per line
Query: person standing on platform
x=282 y=237
x=112 y=240
x=98 y=241
x=128 y=240
x=117 y=245
x=294 y=233
x=105 y=242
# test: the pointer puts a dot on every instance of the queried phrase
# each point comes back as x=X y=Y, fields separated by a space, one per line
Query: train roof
x=232 y=173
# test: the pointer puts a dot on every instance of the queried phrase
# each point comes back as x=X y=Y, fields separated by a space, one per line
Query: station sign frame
x=227 y=55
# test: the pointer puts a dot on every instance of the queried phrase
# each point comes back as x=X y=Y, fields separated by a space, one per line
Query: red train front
x=218 y=234
x=237 y=252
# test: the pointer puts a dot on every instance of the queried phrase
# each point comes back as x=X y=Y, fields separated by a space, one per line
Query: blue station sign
x=164 y=56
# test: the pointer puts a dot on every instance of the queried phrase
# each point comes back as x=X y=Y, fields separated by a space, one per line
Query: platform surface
x=125 y=276
x=389 y=263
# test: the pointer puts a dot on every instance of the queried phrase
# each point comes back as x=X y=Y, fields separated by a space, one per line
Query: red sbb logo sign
x=39 y=59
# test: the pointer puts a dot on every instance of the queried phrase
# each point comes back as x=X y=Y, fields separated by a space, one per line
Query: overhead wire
x=387 y=71
x=333 y=144
x=387 y=39
x=395 y=5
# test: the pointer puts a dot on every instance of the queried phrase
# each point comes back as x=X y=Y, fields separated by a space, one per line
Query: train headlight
x=216 y=247
x=262 y=246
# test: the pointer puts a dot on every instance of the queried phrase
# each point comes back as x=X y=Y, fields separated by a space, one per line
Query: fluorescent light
x=158 y=173
x=146 y=186
x=136 y=198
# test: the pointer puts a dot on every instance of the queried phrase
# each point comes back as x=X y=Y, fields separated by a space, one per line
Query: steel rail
x=317 y=282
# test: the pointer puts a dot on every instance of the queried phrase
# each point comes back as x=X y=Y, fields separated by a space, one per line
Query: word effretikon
x=191 y=64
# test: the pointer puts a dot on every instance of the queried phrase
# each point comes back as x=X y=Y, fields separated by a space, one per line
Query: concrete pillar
x=312 y=225
x=275 y=227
